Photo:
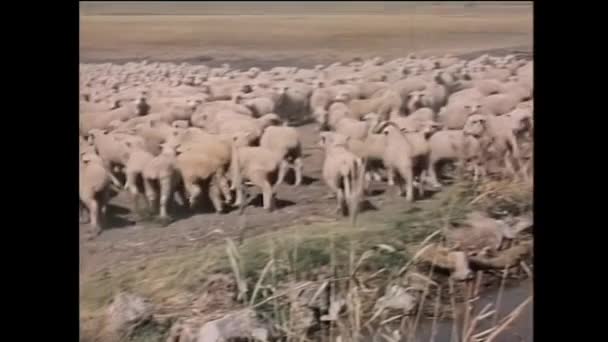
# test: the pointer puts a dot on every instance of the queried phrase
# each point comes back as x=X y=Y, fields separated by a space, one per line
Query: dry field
x=302 y=37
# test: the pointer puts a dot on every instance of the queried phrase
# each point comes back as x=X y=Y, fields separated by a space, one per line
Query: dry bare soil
x=302 y=36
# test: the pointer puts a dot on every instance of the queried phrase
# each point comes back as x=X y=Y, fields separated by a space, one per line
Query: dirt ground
x=300 y=37
x=265 y=41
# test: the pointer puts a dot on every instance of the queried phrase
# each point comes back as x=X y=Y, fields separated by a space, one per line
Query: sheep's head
x=114 y=124
x=472 y=108
x=270 y=119
x=318 y=84
x=430 y=127
x=414 y=99
x=342 y=96
x=332 y=139
x=205 y=89
x=475 y=125
x=241 y=139
x=180 y=124
x=372 y=119
x=321 y=115
x=386 y=127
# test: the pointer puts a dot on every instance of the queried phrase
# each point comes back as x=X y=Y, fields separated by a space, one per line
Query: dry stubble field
x=139 y=254
x=303 y=39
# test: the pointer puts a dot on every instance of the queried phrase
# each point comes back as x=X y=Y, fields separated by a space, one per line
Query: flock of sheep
x=166 y=132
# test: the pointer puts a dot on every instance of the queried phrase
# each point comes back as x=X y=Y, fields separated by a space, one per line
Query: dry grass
x=305 y=36
x=372 y=254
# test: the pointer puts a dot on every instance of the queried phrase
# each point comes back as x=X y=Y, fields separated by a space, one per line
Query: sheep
x=285 y=140
x=503 y=132
x=454 y=115
x=138 y=158
x=255 y=164
x=397 y=157
x=469 y=94
x=259 y=106
x=93 y=186
x=294 y=101
x=195 y=169
x=419 y=141
x=343 y=172
x=101 y=120
x=499 y=104
x=371 y=149
x=357 y=129
x=463 y=146
x=387 y=104
x=434 y=96
x=161 y=169
x=255 y=127
x=330 y=118
x=405 y=86
x=111 y=147
x=368 y=89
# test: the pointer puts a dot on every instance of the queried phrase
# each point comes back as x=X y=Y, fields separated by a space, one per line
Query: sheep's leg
x=131 y=186
x=93 y=206
x=367 y=180
x=224 y=188
x=82 y=210
x=390 y=175
x=215 y=196
x=150 y=194
x=180 y=196
x=347 y=188
x=408 y=176
x=432 y=174
x=340 y=207
x=298 y=167
x=283 y=167
x=420 y=186
x=166 y=188
x=509 y=165
x=238 y=188
x=376 y=176
x=193 y=191
x=260 y=179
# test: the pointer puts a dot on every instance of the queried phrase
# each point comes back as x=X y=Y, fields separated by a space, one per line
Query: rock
x=304 y=301
x=396 y=297
x=460 y=263
x=124 y=314
x=240 y=324
x=442 y=257
x=479 y=232
x=506 y=258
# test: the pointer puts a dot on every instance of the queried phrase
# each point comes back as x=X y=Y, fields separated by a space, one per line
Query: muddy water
x=520 y=330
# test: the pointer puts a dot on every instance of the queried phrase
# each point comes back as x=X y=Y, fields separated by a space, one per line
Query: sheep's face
x=415 y=98
x=322 y=118
x=205 y=89
x=475 y=125
x=342 y=97
x=472 y=108
x=430 y=127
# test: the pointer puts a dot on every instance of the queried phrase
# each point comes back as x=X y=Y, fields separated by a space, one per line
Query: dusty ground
x=270 y=40
x=300 y=37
